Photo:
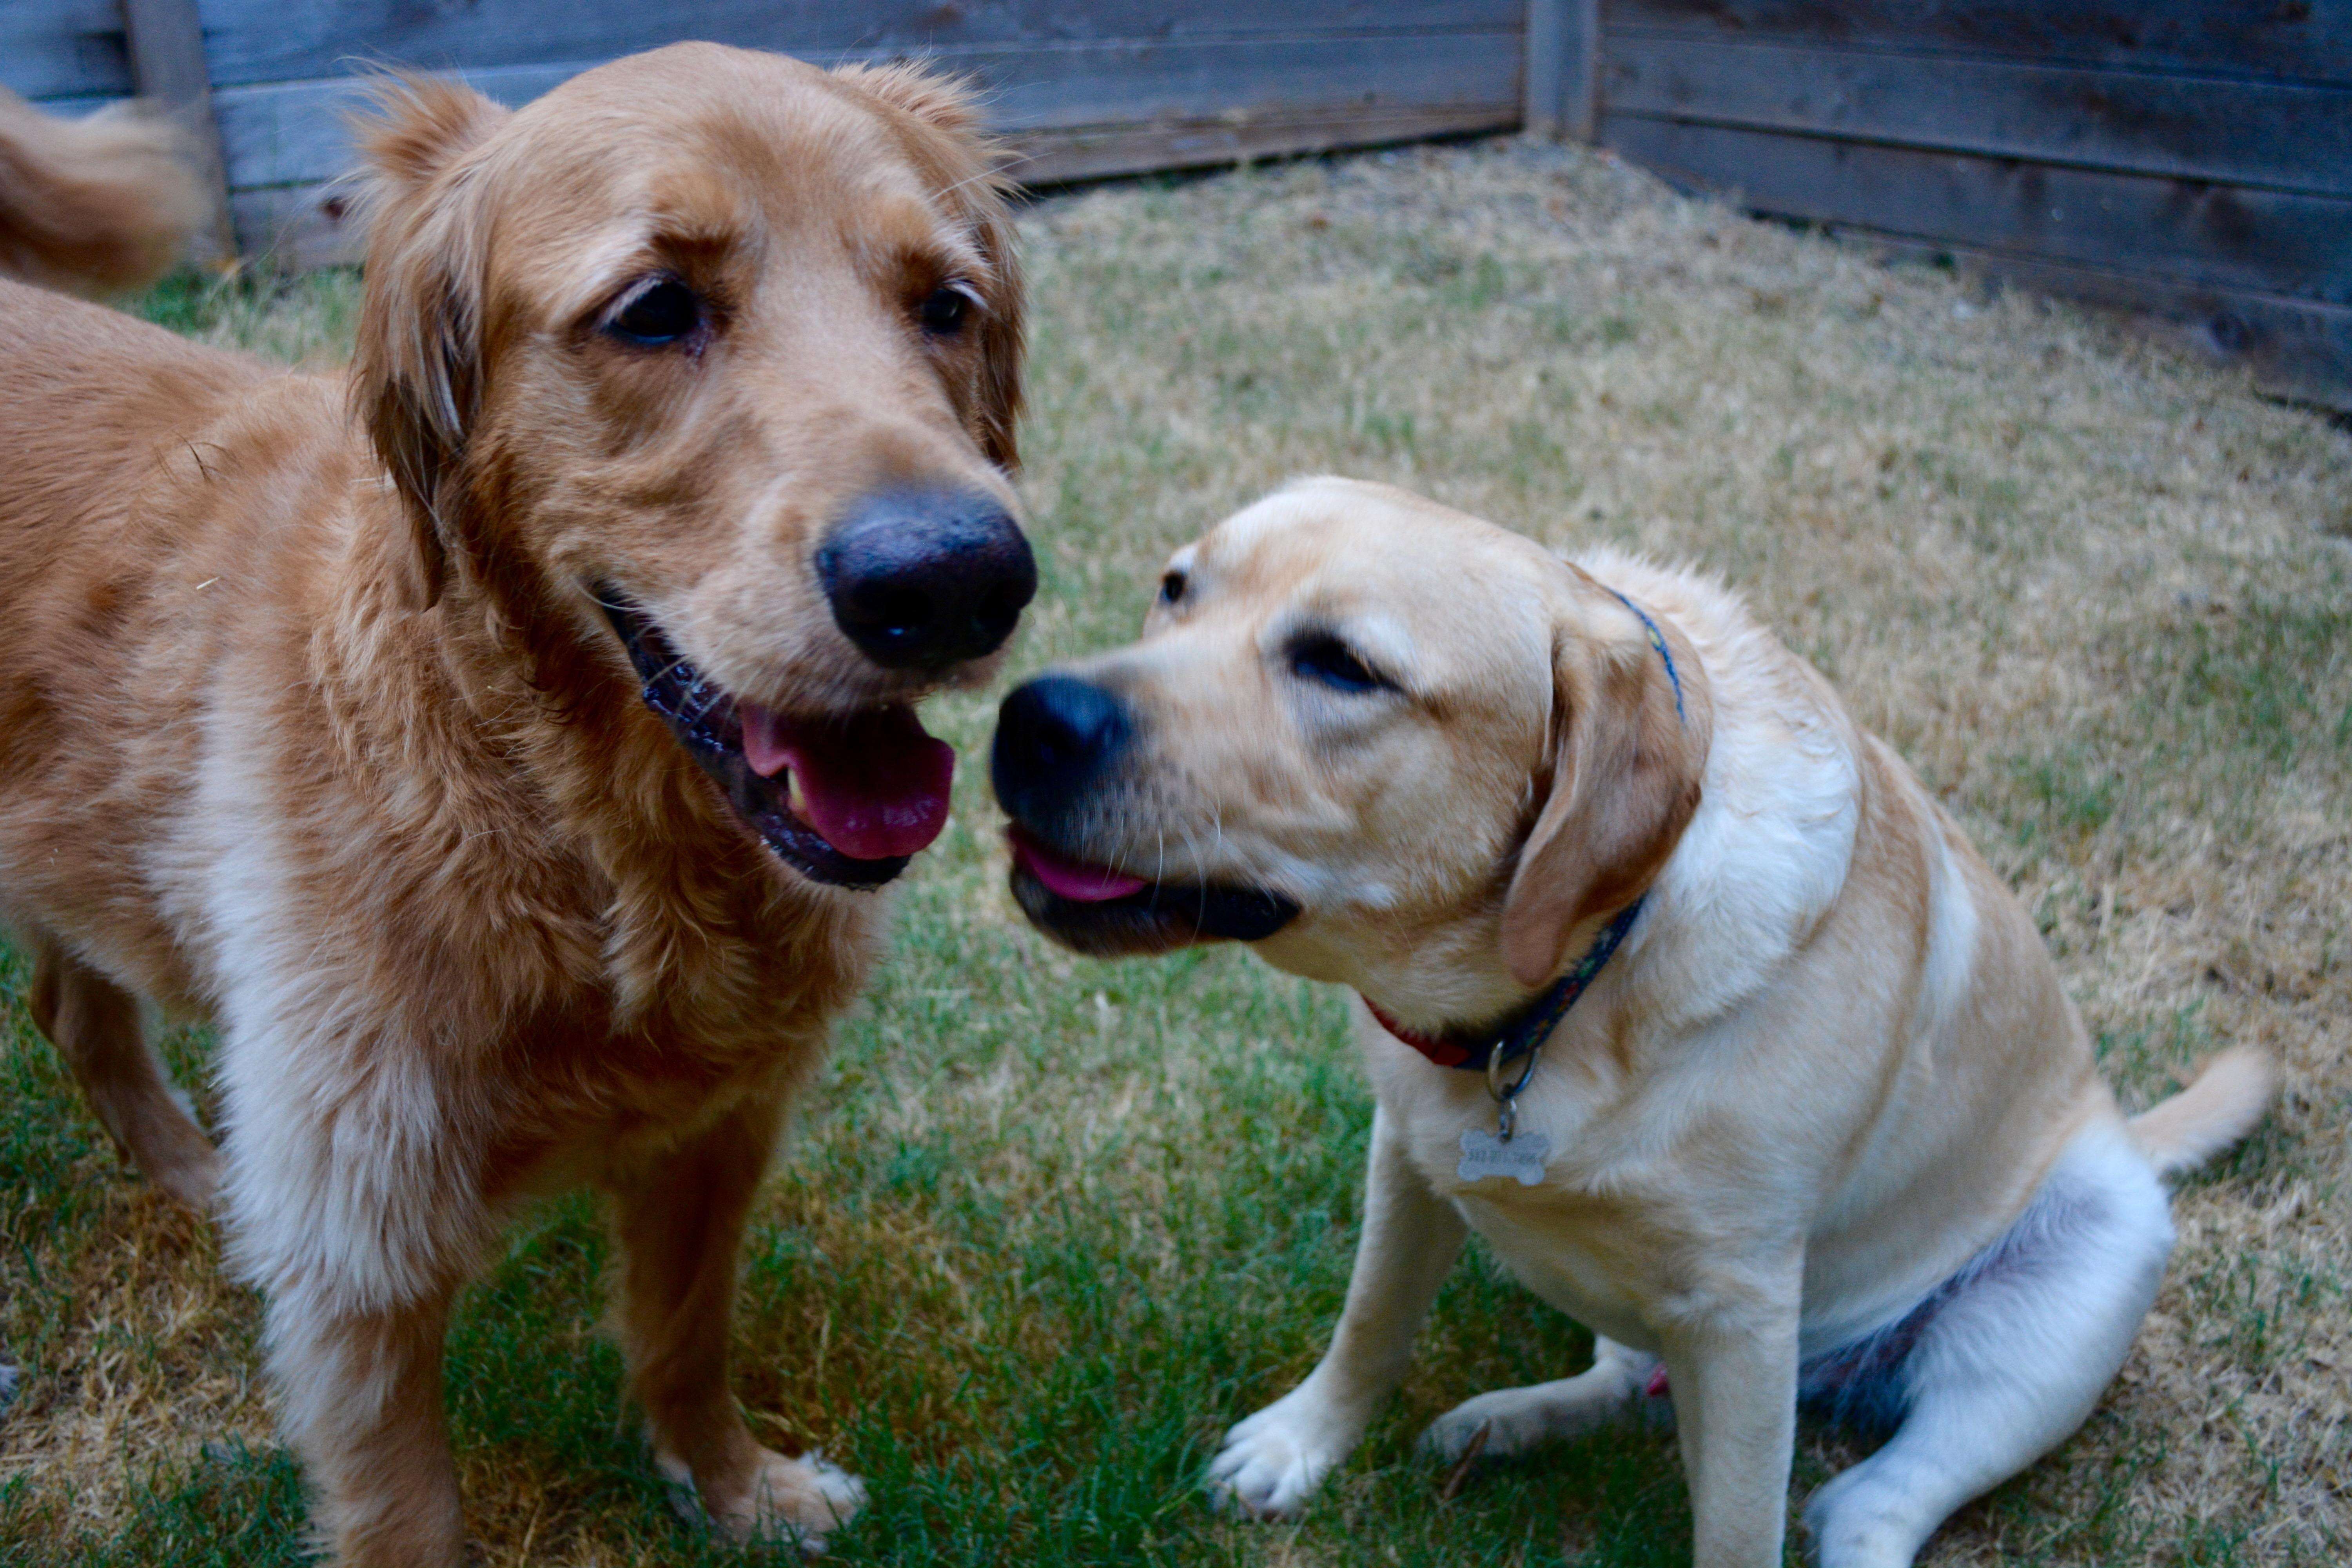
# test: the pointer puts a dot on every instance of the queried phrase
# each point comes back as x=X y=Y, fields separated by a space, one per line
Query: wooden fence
x=2190 y=156
x=1100 y=87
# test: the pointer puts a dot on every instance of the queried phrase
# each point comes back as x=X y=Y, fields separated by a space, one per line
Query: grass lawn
x=1051 y=1223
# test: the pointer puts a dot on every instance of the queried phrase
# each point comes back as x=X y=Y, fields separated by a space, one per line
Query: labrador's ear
x=967 y=167
x=1630 y=735
x=416 y=367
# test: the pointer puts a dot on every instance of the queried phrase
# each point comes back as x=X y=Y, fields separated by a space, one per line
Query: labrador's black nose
x=1053 y=736
x=924 y=579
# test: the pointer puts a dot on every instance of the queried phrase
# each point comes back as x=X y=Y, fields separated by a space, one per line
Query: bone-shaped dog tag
x=1483 y=1154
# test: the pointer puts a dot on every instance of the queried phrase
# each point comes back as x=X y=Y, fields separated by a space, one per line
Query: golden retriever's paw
x=801 y=1501
x=1273 y=1461
x=193 y=1175
x=797 y=1502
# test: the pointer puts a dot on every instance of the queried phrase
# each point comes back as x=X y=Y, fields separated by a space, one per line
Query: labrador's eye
x=1324 y=659
x=1172 y=586
x=945 y=309
x=660 y=313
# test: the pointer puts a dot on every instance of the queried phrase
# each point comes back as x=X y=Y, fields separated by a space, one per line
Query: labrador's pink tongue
x=1073 y=879
x=873 y=789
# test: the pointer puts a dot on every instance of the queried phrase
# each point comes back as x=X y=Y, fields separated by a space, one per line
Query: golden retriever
x=500 y=743
x=1680 y=990
x=102 y=204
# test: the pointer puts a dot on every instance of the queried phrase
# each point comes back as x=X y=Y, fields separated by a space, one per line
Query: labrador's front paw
x=1275 y=1459
x=801 y=1502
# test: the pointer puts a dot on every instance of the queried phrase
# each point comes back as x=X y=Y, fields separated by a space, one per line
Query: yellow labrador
x=1681 y=989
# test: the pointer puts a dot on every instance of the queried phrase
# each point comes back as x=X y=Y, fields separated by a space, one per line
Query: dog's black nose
x=1053 y=736
x=924 y=579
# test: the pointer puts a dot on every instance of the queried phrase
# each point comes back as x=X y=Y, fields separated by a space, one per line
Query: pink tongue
x=873 y=789
x=1072 y=880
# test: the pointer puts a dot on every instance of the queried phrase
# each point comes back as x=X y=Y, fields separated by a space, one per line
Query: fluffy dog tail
x=97 y=206
x=2213 y=1112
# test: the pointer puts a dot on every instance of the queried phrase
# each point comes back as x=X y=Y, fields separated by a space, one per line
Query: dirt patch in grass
x=1053 y=1224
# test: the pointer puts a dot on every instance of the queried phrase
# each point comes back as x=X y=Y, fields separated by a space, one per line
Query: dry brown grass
x=1057 y=1221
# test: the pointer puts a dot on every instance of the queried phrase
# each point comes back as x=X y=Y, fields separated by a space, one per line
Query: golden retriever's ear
x=1002 y=338
x=417 y=364
x=972 y=183
x=1632 y=724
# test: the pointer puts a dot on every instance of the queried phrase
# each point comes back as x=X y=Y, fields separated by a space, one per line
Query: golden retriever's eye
x=660 y=311
x=1319 y=656
x=946 y=309
x=1172 y=586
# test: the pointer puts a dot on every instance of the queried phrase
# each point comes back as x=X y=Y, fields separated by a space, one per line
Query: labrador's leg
x=1275 y=1458
x=679 y=1218
x=1732 y=1358
x=2006 y=1370
x=94 y=1024
x=1519 y=1419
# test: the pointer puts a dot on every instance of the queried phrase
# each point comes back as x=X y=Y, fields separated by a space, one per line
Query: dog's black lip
x=1156 y=918
x=701 y=715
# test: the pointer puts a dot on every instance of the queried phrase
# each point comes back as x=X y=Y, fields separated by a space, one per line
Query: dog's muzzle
x=1062 y=745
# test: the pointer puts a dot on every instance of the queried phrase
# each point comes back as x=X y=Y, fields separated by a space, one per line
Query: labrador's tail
x=2216 y=1111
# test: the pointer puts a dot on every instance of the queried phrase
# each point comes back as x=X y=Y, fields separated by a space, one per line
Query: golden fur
x=312 y=725
x=103 y=205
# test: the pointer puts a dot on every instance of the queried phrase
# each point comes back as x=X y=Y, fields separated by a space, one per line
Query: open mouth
x=844 y=800
x=1105 y=912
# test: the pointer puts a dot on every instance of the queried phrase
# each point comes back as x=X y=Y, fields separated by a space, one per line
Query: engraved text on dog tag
x=1484 y=1156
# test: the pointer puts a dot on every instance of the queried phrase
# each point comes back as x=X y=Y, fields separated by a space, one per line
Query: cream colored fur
x=1830 y=1076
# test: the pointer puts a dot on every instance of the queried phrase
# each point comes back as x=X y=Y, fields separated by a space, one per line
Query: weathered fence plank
x=295 y=132
x=2184 y=231
x=2289 y=135
x=2300 y=348
x=1071 y=113
x=63 y=50
x=1563 y=57
x=166 y=44
x=2306 y=40
x=2191 y=157
x=303 y=226
x=270 y=40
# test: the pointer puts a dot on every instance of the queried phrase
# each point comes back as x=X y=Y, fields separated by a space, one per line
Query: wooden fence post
x=1564 y=68
x=167 y=65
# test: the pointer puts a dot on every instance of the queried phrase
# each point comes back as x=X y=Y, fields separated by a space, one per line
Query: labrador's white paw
x=1273 y=1461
